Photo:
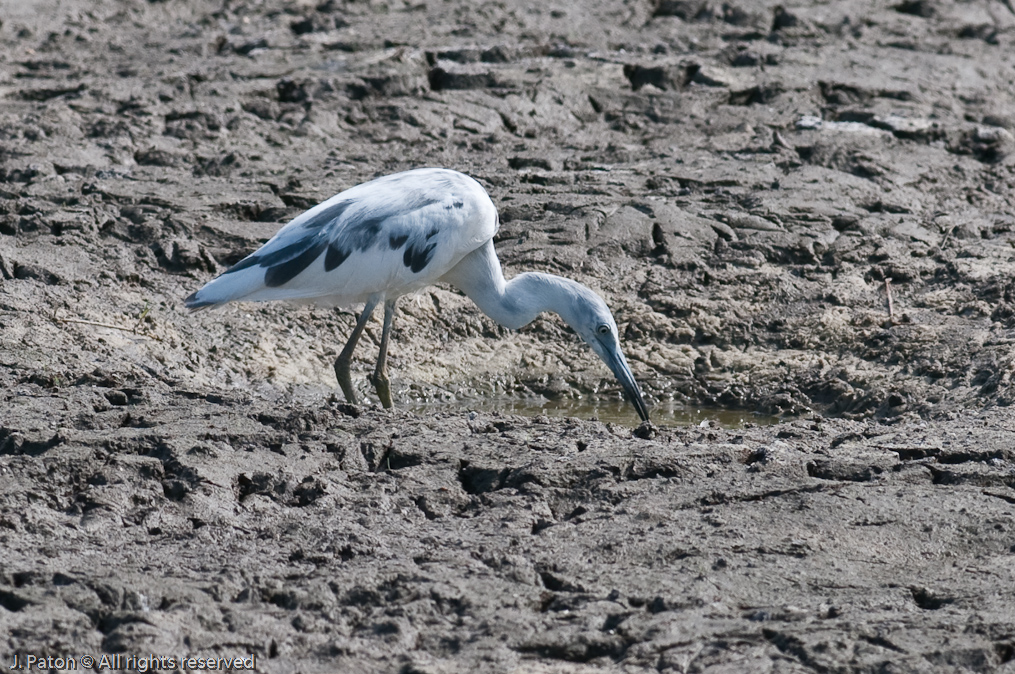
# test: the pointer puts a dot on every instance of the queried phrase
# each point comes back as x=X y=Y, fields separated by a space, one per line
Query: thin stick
x=891 y=305
x=105 y=325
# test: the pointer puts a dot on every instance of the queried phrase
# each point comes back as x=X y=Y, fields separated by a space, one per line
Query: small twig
x=144 y=314
x=81 y=321
x=891 y=305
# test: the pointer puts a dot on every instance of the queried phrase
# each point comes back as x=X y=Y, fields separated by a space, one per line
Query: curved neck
x=513 y=303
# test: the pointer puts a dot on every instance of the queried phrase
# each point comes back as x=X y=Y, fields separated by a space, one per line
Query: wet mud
x=802 y=211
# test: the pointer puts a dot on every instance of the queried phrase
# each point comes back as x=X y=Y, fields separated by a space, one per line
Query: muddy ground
x=800 y=210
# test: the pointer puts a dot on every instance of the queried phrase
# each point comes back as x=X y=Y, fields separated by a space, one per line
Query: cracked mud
x=800 y=210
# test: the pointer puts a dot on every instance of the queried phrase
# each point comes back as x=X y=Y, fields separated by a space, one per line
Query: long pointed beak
x=618 y=364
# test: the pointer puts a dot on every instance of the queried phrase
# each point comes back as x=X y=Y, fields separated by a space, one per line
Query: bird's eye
x=603 y=329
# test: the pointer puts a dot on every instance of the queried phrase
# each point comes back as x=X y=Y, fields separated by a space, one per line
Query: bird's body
x=391 y=236
x=398 y=234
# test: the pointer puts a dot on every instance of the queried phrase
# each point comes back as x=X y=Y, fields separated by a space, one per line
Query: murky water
x=662 y=414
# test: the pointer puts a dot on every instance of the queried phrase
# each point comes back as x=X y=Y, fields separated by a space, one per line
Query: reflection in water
x=618 y=412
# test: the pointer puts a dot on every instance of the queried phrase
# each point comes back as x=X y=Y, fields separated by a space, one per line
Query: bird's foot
x=345 y=381
x=383 y=387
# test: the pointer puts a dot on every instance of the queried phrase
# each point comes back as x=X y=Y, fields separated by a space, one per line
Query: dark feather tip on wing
x=194 y=304
x=283 y=272
x=417 y=256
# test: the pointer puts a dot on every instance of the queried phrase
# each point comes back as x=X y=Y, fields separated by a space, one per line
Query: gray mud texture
x=798 y=209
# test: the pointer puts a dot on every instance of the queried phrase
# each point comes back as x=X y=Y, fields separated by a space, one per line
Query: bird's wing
x=391 y=235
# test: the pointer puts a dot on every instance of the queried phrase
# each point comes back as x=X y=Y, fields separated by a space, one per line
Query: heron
x=396 y=235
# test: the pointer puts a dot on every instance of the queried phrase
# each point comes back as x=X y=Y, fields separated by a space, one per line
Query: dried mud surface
x=800 y=209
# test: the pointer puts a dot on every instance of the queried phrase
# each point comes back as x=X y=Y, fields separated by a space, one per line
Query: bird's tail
x=246 y=282
x=239 y=283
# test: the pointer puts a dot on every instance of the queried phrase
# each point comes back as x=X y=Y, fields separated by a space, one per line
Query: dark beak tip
x=643 y=412
x=634 y=396
x=627 y=382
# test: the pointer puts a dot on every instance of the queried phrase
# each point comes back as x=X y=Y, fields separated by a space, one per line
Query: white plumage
x=395 y=235
x=376 y=224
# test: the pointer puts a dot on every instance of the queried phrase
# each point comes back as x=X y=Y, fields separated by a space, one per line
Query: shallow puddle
x=662 y=414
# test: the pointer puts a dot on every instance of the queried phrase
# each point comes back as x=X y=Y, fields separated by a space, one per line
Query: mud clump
x=777 y=228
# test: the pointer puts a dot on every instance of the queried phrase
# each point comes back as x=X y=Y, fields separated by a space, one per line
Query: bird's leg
x=344 y=359
x=380 y=378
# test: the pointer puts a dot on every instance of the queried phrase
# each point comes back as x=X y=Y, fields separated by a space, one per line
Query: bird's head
x=592 y=320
